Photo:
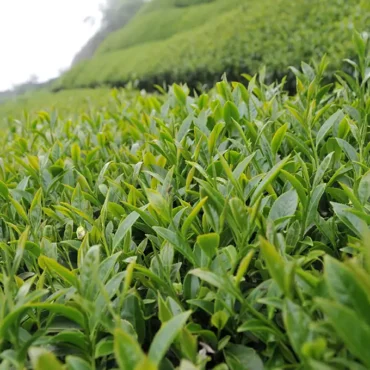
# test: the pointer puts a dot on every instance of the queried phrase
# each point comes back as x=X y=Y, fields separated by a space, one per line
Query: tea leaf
x=165 y=336
x=127 y=351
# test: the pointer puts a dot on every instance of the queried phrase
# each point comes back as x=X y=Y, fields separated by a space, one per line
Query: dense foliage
x=165 y=42
x=70 y=104
x=163 y=22
x=227 y=230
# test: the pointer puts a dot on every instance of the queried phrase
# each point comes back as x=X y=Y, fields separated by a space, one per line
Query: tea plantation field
x=221 y=230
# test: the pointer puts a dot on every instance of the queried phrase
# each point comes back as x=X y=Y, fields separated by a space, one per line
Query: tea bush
x=226 y=230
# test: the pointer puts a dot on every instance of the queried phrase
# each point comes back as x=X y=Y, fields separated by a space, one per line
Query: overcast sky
x=41 y=37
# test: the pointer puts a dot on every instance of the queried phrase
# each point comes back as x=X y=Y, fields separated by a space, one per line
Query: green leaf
x=21 y=246
x=76 y=363
x=180 y=94
x=184 y=128
x=231 y=112
x=269 y=178
x=351 y=196
x=240 y=168
x=300 y=189
x=73 y=337
x=123 y=228
x=255 y=326
x=63 y=310
x=53 y=266
x=106 y=267
x=347 y=288
x=349 y=150
x=297 y=323
x=243 y=267
x=75 y=153
x=188 y=344
x=127 y=351
x=352 y=330
x=209 y=244
x=360 y=44
x=278 y=138
x=164 y=312
x=89 y=272
x=104 y=348
x=219 y=319
x=191 y=286
x=364 y=188
x=60 y=309
x=221 y=282
x=213 y=137
x=133 y=311
x=193 y=214
x=274 y=262
x=176 y=240
x=321 y=170
x=158 y=203
x=313 y=204
x=352 y=221
x=239 y=357
x=20 y=210
x=165 y=337
x=4 y=191
x=35 y=212
x=239 y=212
x=284 y=206
x=329 y=123
x=223 y=89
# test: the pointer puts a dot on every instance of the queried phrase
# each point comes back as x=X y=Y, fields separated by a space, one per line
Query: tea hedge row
x=163 y=22
x=240 y=39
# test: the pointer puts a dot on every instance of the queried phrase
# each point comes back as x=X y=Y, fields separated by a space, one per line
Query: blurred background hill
x=198 y=40
x=115 y=15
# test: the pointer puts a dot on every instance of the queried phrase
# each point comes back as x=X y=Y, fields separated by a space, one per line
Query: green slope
x=164 y=21
x=236 y=39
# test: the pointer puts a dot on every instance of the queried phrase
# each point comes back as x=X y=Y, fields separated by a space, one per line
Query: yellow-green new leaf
x=274 y=262
x=54 y=267
x=278 y=138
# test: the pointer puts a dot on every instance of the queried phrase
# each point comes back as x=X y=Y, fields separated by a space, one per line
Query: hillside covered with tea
x=195 y=42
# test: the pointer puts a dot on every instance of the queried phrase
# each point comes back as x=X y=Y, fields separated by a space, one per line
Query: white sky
x=41 y=37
